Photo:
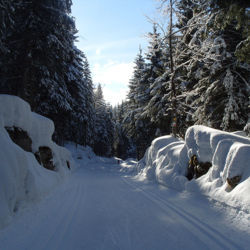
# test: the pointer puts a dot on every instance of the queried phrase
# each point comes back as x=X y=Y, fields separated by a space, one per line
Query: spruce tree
x=139 y=127
x=160 y=93
x=104 y=125
x=123 y=143
x=133 y=104
x=43 y=66
x=89 y=97
x=213 y=79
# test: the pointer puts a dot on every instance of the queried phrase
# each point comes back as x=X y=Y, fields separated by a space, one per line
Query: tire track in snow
x=200 y=227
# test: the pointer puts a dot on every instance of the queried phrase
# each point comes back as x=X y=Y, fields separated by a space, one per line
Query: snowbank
x=83 y=156
x=22 y=178
x=86 y=158
x=167 y=159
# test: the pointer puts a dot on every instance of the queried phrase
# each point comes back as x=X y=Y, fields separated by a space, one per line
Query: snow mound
x=167 y=159
x=22 y=178
x=86 y=158
x=82 y=155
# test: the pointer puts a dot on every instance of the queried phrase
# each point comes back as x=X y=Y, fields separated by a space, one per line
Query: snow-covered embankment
x=167 y=160
x=22 y=178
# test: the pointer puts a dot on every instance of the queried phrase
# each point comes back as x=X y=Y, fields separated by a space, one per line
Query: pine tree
x=160 y=93
x=89 y=97
x=184 y=13
x=173 y=78
x=43 y=66
x=37 y=56
x=237 y=12
x=78 y=88
x=214 y=81
x=133 y=104
x=7 y=13
x=104 y=126
x=186 y=54
x=137 y=126
x=123 y=143
x=6 y=20
x=222 y=85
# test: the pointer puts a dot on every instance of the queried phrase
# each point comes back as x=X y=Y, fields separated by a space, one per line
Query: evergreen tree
x=186 y=54
x=89 y=97
x=79 y=87
x=214 y=81
x=157 y=109
x=6 y=20
x=237 y=12
x=179 y=34
x=221 y=77
x=43 y=66
x=37 y=54
x=123 y=143
x=133 y=104
x=104 y=126
x=139 y=127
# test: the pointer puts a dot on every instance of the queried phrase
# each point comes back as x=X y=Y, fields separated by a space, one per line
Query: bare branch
x=243 y=79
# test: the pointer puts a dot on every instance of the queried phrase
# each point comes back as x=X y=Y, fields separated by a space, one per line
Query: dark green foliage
x=104 y=125
x=41 y=65
x=213 y=81
x=123 y=143
x=137 y=124
x=210 y=73
x=198 y=75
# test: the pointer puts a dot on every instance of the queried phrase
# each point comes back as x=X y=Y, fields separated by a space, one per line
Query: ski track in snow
x=100 y=208
x=192 y=222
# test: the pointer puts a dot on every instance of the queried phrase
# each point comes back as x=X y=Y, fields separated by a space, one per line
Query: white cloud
x=110 y=45
x=114 y=77
x=113 y=96
x=112 y=72
x=98 y=52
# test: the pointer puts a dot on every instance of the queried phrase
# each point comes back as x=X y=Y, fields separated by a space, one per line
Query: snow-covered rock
x=22 y=178
x=166 y=161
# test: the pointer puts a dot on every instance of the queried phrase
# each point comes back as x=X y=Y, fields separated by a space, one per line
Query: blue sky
x=110 y=32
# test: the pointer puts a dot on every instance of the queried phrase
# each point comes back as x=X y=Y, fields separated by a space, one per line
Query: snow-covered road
x=100 y=209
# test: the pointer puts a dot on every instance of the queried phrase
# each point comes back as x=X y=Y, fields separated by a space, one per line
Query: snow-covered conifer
x=104 y=125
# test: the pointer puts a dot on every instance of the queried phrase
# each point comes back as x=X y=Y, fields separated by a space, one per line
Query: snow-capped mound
x=160 y=162
x=22 y=178
x=167 y=160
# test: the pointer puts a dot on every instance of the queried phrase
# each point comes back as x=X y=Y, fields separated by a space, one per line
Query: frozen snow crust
x=22 y=178
x=166 y=161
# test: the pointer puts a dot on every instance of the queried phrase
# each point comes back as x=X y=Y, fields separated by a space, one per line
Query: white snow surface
x=102 y=206
x=167 y=158
x=22 y=178
x=105 y=204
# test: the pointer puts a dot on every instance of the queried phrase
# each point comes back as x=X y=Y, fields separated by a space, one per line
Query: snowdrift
x=86 y=158
x=22 y=178
x=167 y=160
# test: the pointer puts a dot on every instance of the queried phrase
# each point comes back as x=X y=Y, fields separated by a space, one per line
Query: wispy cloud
x=93 y=47
x=112 y=65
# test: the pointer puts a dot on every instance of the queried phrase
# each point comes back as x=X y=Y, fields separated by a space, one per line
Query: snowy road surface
x=101 y=209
